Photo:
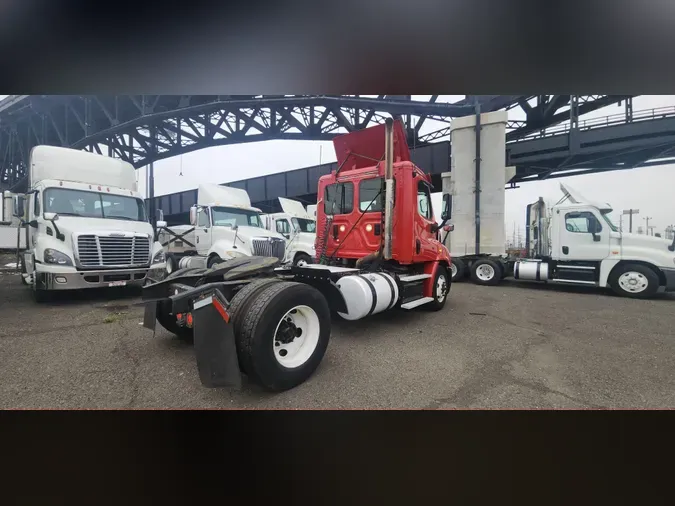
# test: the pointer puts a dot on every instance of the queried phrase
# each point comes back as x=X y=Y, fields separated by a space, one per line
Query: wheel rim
x=296 y=336
x=633 y=282
x=453 y=270
x=485 y=272
x=441 y=287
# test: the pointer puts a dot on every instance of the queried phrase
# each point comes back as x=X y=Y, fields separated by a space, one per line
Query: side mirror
x=447 y=207
x=193 y=215
x=51 y=216
x=19 y=210
x=161 y=224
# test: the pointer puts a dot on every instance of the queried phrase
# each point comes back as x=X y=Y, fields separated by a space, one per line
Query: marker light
x=369 y=228
x=342 y=228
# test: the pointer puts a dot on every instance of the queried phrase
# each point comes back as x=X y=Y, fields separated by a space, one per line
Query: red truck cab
x=351 y=205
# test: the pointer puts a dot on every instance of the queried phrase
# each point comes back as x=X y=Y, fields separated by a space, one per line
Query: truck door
x=203 y=230
x=582 y=235
x=422 y=223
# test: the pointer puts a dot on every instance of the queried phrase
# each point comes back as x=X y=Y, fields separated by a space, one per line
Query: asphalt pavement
x=511 y=346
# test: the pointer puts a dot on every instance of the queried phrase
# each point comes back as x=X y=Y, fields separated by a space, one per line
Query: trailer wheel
x=457 y=270
x=486 y=272
x=301 y=258
x=634 y=280
x=441 y=289
x=168 y=321
x=284 y=335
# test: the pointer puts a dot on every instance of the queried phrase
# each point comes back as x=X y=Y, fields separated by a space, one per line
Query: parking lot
x=511 y=346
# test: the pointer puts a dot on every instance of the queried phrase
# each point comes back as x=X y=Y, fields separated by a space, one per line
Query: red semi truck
x=378 y=250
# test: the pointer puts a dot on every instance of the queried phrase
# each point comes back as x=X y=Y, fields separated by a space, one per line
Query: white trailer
x=223 y=226
x=298 y=227
x=87 y=224
x=572 y=242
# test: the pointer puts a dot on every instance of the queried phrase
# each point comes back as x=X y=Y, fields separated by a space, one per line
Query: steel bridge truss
x=146 y=128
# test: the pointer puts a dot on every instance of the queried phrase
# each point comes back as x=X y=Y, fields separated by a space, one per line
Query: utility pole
x=647 y=218
x=630 y=213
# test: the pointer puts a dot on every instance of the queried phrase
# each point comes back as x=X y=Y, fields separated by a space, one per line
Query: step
x=573 y=282
x=576 y=267
x=416 y=303
x=414 y=277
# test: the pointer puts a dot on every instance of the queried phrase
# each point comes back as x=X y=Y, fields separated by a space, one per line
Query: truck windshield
x=67 y=202
x=224 y=216
x=605 y=215
x=304 y=225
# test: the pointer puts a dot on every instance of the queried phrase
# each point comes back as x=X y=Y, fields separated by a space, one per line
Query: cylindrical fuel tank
x=367 y=294
x=533 y=271
x=192 y=262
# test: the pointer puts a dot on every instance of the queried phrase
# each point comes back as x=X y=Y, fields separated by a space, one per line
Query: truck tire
x=171 y=263
x=242 y=300
x=213 y=260
x=168 y=321
x=302 y=257
x=634 y=280
x=486 y=272
x=41 y=296
x=441 y=289
x=457 y=270
x=276 y=355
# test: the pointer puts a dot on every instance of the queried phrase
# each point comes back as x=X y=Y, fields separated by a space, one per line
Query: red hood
x=369 y=144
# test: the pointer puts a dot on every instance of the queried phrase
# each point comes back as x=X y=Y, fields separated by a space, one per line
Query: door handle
x=565 y=250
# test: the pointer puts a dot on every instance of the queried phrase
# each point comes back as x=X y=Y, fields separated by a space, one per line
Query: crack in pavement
x=135 y=363
x=495 y=373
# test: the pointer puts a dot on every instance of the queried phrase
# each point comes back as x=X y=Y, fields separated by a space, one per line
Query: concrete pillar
x=493 y=177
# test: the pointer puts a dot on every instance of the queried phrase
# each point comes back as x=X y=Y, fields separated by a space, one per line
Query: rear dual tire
x=487 y=272
x=281 y=331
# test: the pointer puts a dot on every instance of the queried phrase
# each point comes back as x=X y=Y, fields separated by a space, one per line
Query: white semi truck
x=87 y=224
x=573 y=242
x=298 y=227
x=223 y=226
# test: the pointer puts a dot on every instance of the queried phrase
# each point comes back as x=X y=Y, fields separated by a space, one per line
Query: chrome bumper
x=97 y=279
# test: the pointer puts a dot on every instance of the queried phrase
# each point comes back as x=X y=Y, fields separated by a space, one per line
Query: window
x=223 y=216
x=304 y=225
x=283 y=227
x=371 y=195
x=424 y=201
x=203 y=217
x=580 y=222
x=36 y=207
x=66 y=202
x=339 y=198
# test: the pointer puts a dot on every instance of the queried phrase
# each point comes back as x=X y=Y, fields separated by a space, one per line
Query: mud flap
x=150 y=315
x=214 y=344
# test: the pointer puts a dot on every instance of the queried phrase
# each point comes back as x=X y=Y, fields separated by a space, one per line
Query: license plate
x=117 y=283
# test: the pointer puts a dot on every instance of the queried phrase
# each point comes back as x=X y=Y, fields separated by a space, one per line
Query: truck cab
x=584 y=246
x=87 y=223
x=223 y=226
x=298 y=227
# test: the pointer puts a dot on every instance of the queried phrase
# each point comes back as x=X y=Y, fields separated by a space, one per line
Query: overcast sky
x=648 y=189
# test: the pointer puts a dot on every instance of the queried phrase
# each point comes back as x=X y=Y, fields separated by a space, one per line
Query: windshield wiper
x=71 y=214
x=121 y=218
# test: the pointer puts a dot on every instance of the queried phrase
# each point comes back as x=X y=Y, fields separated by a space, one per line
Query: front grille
x=110 y=251
x=269 y=247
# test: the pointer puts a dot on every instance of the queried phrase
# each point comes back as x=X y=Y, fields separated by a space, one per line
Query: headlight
x=55 y=257
x=159 y=257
